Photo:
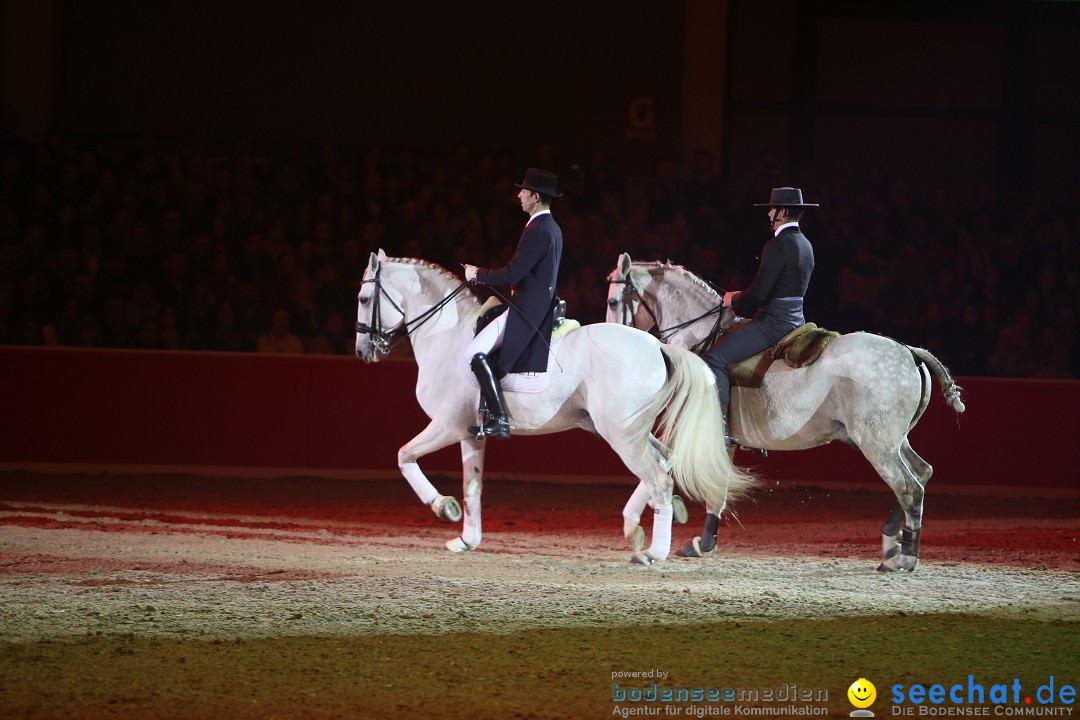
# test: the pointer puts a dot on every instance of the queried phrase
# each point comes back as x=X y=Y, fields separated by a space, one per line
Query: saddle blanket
x=526 y=382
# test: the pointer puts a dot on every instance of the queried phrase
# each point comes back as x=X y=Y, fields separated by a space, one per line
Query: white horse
x=866 y=390
x=614 y=381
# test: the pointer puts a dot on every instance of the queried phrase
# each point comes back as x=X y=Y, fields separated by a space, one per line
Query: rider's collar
x=784 y=227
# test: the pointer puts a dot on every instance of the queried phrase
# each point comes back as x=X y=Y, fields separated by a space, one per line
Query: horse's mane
x=679 y=269
x=425 y=263
x=431 y=266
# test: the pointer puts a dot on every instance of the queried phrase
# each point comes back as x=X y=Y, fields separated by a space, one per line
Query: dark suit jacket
x=533 y=273
x=787 y=261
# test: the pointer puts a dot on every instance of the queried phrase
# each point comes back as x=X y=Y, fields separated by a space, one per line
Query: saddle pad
x=799 y=348
x=528 y=382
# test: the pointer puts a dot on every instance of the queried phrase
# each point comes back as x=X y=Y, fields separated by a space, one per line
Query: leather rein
x=630 y=293
x=386 y=341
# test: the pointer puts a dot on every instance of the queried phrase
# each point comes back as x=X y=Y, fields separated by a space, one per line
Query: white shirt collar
x=538 y=214
x=785 y=225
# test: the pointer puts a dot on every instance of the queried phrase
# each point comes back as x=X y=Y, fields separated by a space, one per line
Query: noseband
x=386 y=341
x=630 y=292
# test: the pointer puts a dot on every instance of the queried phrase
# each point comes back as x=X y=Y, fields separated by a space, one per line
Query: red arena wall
x=192 y=409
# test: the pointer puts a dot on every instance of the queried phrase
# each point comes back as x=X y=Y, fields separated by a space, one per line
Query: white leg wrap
x=661 y=533
x=419 y=483
x=470 y=532
x=637 y=502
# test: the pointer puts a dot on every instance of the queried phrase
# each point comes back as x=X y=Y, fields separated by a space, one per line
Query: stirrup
x=495 y=426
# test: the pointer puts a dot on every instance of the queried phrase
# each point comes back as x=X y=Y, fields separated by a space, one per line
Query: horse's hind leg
x=704 y=545
x=660 y=547
x=891 y=532
x=893 y=469
x=639 y=500
x=922 y=469
x=635 y=506
x=655 y=485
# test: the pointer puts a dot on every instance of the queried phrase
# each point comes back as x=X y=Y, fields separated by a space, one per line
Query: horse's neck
x=436 y=341
x=681 y=299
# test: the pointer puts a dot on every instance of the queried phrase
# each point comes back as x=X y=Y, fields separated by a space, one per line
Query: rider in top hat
x=523 y=333
x=773 y=302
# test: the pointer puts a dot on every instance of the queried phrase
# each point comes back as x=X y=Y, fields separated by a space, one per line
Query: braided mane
x=427 y=264
x=439 y=270
x=668 y=265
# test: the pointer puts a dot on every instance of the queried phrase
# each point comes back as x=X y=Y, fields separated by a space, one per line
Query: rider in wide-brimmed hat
x=774 y=304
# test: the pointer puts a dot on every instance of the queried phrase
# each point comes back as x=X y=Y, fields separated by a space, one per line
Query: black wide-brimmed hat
x=541 y=181
x=786 y=197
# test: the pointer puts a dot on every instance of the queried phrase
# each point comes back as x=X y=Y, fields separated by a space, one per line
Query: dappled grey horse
x=866 y=390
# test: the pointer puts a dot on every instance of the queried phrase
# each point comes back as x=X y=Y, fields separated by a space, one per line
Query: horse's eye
x=613 y=303
x=364 y=300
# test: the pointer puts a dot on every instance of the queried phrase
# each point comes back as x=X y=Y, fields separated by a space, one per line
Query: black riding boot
x=494 y=421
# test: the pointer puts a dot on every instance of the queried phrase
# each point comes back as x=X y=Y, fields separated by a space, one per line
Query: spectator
x=251 y=229
x=279 y=339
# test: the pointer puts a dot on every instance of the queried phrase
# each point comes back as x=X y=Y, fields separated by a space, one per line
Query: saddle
x=493 y=308
x=799 y=348
x=527 y=382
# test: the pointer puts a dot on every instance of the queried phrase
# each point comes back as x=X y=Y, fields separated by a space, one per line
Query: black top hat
x=786 y=197
x=541 y=181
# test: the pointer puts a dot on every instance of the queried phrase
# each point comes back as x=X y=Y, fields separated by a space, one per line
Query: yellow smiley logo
x=862 y=693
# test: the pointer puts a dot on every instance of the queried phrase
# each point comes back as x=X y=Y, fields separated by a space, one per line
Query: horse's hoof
x=641 y=558
x=458 y=545
x=692 y=549
x=899 y=563
x=678 y=510
x=890 y=546
x=636 y=538
x=447 y=508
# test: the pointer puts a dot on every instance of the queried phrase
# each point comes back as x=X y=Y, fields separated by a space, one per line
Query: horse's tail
x=693 y=428
x=949 y=388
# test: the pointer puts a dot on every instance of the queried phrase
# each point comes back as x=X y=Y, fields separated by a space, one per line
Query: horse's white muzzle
x=365 y=350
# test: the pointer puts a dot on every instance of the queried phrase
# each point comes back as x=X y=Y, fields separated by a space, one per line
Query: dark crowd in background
x=240 y=246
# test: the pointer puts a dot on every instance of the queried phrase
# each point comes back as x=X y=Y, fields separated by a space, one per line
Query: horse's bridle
x=627 y=296
x=630 y=292
x=386 y=341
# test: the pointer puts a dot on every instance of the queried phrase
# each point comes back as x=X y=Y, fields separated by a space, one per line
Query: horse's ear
x=373 y=261
x=624 y=264
x=382 y=255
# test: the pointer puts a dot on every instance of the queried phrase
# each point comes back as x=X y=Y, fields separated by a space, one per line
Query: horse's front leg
x=472 y=480
x=433 y=437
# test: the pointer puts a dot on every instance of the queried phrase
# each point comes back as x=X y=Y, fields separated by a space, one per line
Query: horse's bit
x=630 y=292
x=386 y=341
